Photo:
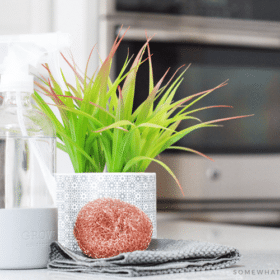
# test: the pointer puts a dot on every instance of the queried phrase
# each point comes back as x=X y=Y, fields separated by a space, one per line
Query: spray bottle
x=28 y=216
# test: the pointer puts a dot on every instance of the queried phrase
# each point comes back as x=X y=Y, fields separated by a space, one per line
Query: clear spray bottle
x=28 y=216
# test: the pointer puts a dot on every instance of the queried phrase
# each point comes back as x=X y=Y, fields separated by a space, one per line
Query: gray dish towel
x=162 y=256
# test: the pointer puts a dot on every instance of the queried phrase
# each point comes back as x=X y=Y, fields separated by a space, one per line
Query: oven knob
x=213 y=174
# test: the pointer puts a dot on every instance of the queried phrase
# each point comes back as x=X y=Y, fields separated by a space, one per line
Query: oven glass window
x=253 y=88
x=236 y=9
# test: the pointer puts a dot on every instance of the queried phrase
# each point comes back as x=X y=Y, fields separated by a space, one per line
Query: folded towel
x=161 y=257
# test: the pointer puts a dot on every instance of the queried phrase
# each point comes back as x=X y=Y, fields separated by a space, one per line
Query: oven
x=235 y=40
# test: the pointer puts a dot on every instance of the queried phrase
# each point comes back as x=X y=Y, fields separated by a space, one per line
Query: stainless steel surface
x=252 y=176
x=195 y=29
x=231 y=176
x=246 y=190
x=209 y=32
x=219 y=205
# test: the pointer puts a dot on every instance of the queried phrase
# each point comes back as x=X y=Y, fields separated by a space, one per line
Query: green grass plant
x=99 y=127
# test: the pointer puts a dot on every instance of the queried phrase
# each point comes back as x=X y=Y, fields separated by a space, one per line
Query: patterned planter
x=76 y=189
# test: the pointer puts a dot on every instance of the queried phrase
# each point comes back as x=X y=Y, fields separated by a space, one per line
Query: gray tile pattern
x=75 y=190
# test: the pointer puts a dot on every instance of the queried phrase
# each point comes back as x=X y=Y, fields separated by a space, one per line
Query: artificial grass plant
x=99 y=127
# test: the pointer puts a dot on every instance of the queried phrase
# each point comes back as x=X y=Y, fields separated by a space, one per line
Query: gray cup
x=25 y=237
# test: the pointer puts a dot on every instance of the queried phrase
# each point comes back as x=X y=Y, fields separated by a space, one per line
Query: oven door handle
x=203 y=36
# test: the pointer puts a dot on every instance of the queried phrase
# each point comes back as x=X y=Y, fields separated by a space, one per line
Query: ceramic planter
x=76 y=189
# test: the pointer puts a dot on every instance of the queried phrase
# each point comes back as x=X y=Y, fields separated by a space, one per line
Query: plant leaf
x=190 y=150
x=140 y=158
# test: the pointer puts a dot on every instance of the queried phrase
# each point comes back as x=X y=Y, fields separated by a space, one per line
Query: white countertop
x=259 y=247
x=244 y=238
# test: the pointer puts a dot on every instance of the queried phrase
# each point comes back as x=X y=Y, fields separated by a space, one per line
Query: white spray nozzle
x=20 y=51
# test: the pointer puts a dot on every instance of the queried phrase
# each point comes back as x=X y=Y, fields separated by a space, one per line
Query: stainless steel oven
x=235 y=40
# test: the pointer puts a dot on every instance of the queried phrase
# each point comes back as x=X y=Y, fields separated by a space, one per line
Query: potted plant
x=101 y=131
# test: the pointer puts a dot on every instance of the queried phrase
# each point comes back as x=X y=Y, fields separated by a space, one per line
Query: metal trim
x=250 y=33
x=219 y=205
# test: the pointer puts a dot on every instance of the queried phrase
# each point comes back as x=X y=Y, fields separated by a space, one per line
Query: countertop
x=259 y=247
